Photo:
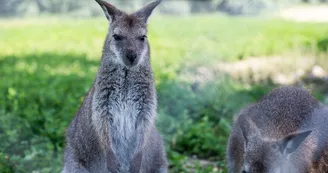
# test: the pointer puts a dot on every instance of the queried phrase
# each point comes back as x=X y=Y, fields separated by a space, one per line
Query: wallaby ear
x=249 y=129
x=146 y=11
x=290 y=143
x=109 y=10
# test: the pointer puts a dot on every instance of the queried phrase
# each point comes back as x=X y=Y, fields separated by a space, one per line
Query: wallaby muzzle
x=131 y=59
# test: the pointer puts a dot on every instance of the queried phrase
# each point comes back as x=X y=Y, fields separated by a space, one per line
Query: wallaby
x=285 y=132
x=114 y=130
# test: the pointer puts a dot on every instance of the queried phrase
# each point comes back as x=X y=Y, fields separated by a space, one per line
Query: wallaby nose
x=131 y=57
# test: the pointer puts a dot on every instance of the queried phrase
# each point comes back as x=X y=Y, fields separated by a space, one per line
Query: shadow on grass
x=323 y=45
x=39 y=95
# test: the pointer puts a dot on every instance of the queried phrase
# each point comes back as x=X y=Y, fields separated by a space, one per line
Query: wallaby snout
x=129 y=44
x=131 y=58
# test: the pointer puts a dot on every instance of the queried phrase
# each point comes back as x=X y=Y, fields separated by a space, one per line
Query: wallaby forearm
x=74 y=170
x=73 y=162
x=142 y=127
x=74 y=167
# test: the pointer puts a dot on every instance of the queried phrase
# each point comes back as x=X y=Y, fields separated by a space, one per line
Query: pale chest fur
x=121 y=101
x=123 y=134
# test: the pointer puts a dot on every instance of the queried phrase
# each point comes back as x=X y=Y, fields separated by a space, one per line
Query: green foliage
x=323 y=44
x=37 y=106
x=200 y=139
x=47 y=66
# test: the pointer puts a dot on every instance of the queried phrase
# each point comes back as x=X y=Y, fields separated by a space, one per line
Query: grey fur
x=285 y=132
x=113 y=130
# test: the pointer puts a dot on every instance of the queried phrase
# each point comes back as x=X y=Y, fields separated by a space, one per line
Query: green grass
x=175 y=40
x=47 y=65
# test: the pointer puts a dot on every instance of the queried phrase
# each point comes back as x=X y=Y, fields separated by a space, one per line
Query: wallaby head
x=126 y=42
x=263 y=155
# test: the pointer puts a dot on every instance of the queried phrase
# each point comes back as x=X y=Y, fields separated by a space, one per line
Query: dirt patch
x=306 y=13
x=280 y=70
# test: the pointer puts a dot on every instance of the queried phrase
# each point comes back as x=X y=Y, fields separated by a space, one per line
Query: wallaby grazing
x=285 y=132
x=113 y=130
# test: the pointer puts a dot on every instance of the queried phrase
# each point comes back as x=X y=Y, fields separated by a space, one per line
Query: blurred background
x=211 y=58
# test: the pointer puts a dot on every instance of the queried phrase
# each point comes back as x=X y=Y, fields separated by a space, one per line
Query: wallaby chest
x=122 y=98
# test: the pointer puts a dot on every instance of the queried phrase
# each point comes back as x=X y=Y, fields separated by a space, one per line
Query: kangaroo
x=114 y=130
x=285 y=132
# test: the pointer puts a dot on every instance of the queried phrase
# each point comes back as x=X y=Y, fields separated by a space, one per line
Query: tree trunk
x=42 y=8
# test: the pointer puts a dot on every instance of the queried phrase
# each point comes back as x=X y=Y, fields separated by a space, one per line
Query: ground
x=306 y=13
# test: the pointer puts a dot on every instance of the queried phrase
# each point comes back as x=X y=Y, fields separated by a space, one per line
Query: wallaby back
x=319 y=159
x=113 y=130
x=275 y=134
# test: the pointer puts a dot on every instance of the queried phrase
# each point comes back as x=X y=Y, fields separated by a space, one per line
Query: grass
x=185 y=37
x=47 y=65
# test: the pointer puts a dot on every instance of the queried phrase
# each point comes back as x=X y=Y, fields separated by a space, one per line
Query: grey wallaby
x=114 y=130
x=285 y=132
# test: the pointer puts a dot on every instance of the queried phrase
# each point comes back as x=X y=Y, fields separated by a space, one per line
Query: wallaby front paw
x=123 y=170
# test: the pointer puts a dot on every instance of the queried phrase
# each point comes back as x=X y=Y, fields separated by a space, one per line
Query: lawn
x=48 y=64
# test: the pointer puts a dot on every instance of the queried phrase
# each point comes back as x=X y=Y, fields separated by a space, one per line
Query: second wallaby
x=114 y=130
x=285 y=132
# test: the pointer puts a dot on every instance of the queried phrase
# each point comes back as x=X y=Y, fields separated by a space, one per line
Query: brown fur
x=114 y=129
x=260 y=130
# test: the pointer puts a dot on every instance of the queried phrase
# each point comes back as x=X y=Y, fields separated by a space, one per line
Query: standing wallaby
x=285 y=132
x=113 y=130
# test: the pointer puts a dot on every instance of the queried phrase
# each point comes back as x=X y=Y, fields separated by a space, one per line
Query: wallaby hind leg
x=154 y=156
x=162 y=169
x=72 y=166
x=235 y=154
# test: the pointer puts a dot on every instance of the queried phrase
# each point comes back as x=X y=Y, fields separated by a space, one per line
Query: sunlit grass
x=175 y=41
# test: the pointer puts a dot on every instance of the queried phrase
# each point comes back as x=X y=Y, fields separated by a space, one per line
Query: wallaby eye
x=142 y=38
x=117 y=37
